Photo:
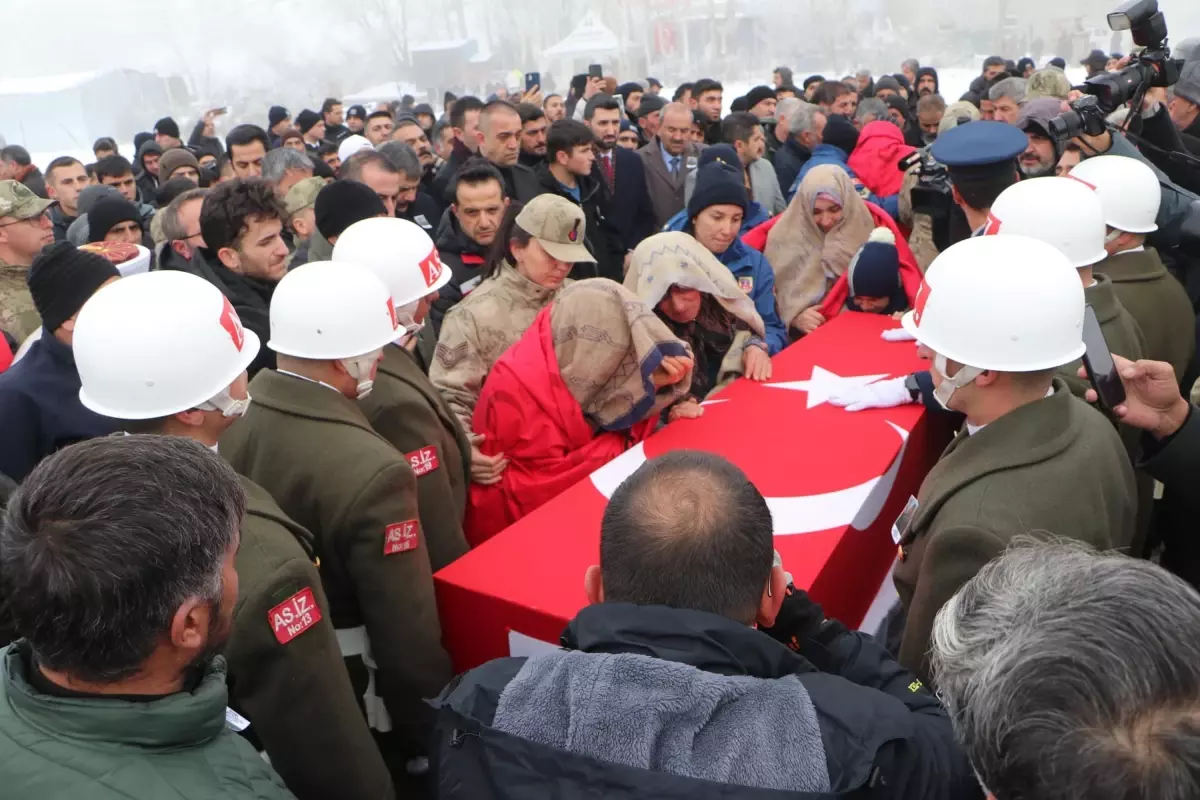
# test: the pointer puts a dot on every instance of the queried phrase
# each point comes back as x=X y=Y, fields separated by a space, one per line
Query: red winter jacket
x=876 y=158
x=6 y=354
x=835 y=300
x=526 y=412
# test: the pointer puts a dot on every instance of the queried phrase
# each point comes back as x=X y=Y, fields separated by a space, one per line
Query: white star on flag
x=825 y=384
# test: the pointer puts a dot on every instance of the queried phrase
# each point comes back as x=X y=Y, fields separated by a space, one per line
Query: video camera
x=1104 y=93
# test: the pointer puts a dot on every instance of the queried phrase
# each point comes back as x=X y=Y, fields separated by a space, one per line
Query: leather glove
x=881 y=394
x=897 y=335
x=799 y=619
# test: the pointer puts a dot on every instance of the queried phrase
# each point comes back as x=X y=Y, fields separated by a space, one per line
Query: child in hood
x=873 y=278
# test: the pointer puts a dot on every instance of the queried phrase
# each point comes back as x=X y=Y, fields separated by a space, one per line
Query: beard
x=1036 y=170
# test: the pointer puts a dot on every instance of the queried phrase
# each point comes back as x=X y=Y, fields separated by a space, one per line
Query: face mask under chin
x=945 y=390
x=360 y=370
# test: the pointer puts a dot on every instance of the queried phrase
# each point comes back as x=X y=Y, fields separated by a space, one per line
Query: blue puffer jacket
x=830 y=154
x=754 y=275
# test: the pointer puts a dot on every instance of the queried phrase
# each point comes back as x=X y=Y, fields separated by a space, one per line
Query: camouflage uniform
x=18 y=316
x=485 y=323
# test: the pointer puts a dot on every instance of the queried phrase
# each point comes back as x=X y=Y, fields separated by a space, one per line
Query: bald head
x=687 y=530
x=676 y=128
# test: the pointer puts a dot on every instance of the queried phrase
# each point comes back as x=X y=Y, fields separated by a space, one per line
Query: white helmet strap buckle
x=945 y=390
x=224 y=402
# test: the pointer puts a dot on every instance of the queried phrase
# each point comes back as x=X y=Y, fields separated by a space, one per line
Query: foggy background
x=75 y=70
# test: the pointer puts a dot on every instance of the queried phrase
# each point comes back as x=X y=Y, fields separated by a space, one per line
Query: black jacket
x=631 y=211
x=600 y=235
x=443 y=182
x=789 y=160
x=35 y=182
x=530 y=160
x=521 y=183
x=335 y=133
x=207 y=144
x=60 y=222
x=465 y=258
x=40 y=410
x=884 y=735
x=147 y=184
x=250 y=298
x=423 y=211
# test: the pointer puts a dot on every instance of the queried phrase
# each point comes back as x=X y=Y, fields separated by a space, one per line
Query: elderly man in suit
x=668 y=160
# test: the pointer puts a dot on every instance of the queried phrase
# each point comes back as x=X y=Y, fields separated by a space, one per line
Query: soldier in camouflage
x=24 y=230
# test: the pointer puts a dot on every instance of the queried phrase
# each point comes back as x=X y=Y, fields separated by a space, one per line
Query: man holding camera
x=665 y=684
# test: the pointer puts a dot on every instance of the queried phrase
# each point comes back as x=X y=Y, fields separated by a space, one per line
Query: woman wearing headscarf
x=534 y=251
x=714 y=217
x=810 y=247
x=699 y=300
x=586 y=382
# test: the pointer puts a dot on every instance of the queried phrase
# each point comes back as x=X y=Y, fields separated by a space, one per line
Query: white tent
x=590 y=38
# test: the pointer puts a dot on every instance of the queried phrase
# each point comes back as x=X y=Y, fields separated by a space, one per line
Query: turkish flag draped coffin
x=835 y=482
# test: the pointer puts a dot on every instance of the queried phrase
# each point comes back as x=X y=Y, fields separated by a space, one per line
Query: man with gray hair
x=285 y=167
x=117 y=558
x=1008 y=96
x=1074 y=674
x=805 y=130
x=870 y=110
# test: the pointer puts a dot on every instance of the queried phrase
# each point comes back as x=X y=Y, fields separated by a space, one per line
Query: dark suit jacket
x=666 y=192
x=631 y=213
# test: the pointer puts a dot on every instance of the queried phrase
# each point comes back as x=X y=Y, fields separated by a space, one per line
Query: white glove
x=881 y=394
x=897 y=335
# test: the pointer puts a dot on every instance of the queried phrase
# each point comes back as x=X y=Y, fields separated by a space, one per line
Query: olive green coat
x=314 y=451
x=405 y=409
x=1158 y=303
x=1123 y=337
x=1055 y=465
x=296 y=693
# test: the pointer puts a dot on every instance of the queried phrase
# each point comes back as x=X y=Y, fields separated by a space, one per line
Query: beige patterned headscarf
x=805 y=259
x=608 y=344
x=676 y=259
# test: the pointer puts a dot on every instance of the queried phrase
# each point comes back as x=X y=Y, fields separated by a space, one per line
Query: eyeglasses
x=37 y=219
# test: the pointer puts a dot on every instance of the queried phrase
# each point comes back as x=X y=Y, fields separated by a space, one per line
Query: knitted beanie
x=343 y=203
x=717 y=184
x=62 y=278
x=173 y=159
x=107 y=213
x=875 y=269
x=840 y=132
x=276 y=115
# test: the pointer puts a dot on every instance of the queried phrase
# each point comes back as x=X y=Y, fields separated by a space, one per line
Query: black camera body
x=1105 y=93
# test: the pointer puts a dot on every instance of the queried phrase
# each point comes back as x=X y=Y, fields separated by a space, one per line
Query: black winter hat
x=650 y=104
x=887 y=82
x=356 y=112
x=167 y=127
x=758 y=94
x=717 y=184
x=739 y=105
x=108 y=212
x=423 y=108
x=306 y=119
x=343 y=203
x=276 y=115
x=840 y=132
x=1057 y=61
x=62 y=278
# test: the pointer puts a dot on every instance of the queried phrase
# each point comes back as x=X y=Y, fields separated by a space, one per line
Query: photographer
x=665 y=688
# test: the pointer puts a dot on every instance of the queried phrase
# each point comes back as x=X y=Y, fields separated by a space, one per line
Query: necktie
x=674 y=165
x=609 y=176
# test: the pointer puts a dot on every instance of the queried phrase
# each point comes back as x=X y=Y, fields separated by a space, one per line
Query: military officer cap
x=979 y=148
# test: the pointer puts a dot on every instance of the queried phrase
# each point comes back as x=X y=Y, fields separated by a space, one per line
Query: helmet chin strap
x=405 y=317
x=359 y=368
x=224 y=402
x=945 y=390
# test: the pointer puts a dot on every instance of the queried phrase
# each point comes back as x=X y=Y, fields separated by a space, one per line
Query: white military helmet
x=399 y=252
x=1006 y=303
x=329 y=310
x=1059 y=211
x=1128 y=190
x=158 y=343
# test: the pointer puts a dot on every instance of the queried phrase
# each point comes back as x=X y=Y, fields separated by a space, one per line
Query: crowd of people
x=255 y=392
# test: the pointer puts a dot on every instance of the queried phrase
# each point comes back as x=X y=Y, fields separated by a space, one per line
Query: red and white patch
x=993 y=225
x=922 y=299
x=423 y=461
x=294 y=616
x=431 y=267
x=392 y=312
x=233 y=325
x=746 y=283
x=400 y=537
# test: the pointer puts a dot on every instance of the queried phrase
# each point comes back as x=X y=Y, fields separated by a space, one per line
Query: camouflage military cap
x=303 y=195
x=558 y=225
x=1048 y=82
x=17 y=201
